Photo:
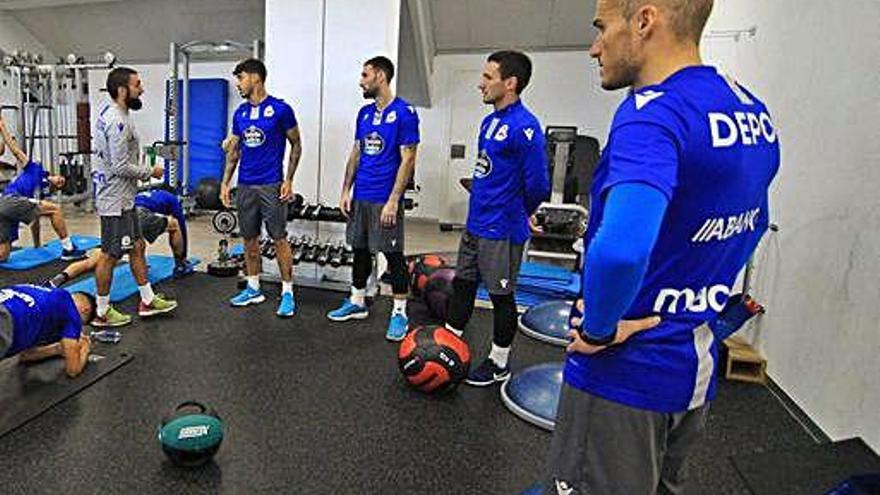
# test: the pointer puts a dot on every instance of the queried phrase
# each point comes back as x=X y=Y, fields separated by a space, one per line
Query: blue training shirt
x=510 y=176
x=380 y=134
x=164 y=203
x=711 y=148
x=40 y=316
x=31 y=179
x=262 y=131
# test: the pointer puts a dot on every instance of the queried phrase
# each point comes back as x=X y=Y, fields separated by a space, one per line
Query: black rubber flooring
x=312 y=406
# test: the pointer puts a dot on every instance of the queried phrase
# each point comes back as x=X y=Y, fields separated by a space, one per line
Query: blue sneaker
x=247 y=296
x=348 y=311
x=72 y=254
x=487 y=374
x=397 y=327
x=183 y=269
x=287 y=307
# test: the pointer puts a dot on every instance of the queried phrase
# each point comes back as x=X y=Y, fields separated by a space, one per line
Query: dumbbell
x=310 y=252
x=336 y=255
x=324 y=254
x=347 y=255
x=332 y=214
x=299 y=249
x=267 y=248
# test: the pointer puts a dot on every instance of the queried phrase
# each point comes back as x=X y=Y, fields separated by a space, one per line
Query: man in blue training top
x=679 y=203
x=37 y=323
x=261 y=128
x=510 y=182
x=158 y=211
x=380 y=165
x=18 y=203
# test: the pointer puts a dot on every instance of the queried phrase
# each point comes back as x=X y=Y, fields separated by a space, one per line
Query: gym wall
x=818 y=275
x=150 y=120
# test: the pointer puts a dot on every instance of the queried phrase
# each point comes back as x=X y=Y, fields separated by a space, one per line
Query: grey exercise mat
x=26 y=391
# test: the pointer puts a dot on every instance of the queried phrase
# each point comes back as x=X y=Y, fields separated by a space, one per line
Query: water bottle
x=107 y=336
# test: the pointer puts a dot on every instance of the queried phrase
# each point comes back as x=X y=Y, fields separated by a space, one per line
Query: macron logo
x=643 y=99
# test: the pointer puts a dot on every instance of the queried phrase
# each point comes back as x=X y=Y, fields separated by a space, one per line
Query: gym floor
x=312 y=406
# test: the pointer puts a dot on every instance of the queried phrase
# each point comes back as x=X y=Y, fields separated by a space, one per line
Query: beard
x=370 y=93
x=134 y=103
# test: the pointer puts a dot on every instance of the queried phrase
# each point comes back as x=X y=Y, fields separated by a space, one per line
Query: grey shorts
x=152 y=224
x=495 y=262
x=365 y=230
x=604 y=447
x=15 y=210
x=6 y=331
x=260 y=204
x=119 y=233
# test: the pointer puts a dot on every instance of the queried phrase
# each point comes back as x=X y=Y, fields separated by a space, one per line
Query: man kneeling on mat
x=37 y=323
x=158 y=211
x=18 y=205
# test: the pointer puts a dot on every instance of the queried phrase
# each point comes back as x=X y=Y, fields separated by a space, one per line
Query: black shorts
x=6 y=331
x=365 y=229
x=119 y=233
x=260 y=204
x=152 y=224
x=13 y=211
x=495 y=262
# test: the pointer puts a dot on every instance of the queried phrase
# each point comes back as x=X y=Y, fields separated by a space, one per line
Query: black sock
x=59 y=280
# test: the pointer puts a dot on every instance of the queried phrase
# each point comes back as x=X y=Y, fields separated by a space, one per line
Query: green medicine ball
x=191 y=434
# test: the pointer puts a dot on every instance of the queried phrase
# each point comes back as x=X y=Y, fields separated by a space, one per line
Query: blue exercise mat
x=160 y=268
x=30 y=257
x=538 y=283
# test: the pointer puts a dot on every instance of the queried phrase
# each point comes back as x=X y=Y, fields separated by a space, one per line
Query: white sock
x=454 y=330
x=103 y=304
x=67 y=244
x=253 y=282
x=358 y=296
x=499 y=355
x=146 y=293
x=286 y=287
x=399 y=307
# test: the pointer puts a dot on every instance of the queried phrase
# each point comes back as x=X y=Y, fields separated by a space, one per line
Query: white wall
x=816 y=67
x=150 y=120
x=564 y=90
x=14 y=36
x=318 y=70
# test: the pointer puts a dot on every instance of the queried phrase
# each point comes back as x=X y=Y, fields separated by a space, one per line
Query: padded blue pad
x=547 y=321
x=533 y=393
x=208 y=125
x=538 y=283
x=27 y=258
x=160 y=268
x=536 y=489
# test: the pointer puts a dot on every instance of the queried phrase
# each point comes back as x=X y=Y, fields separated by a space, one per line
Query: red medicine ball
x=421 y=268
x=433 y=359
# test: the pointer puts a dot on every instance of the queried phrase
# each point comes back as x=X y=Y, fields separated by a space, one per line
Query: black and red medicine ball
x=438 y=292
x=433 y=359
x=420 y=268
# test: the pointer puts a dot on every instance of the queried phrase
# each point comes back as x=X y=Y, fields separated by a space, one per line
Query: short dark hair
x=93 y=305
x=383 y=64
x=513 y=64
x=251 y=66
x=118 y=78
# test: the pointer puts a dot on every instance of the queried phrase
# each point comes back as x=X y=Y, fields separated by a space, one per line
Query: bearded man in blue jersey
x=679 y=203
x=380 y=165
x=509 y=183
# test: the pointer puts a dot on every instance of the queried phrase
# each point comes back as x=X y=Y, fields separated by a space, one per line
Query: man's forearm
x=40 y=353
x=231 y=165
x=16 y=150
x=293 y=161
x=350 y=169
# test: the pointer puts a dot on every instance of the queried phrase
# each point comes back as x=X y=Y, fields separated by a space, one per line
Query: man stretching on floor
x=116 y=174
x=158 y=212
x=37 y=323
x=380 y=165
x=19 y=205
